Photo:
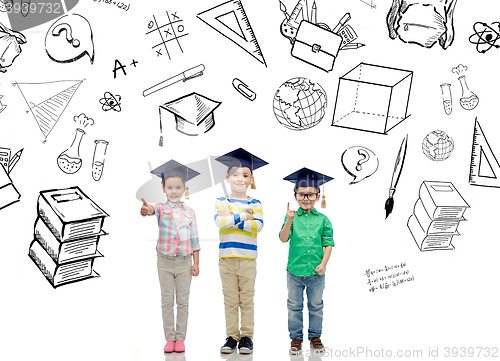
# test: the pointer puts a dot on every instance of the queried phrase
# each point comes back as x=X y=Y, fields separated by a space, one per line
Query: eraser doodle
x=360 y=162
x=69 y=39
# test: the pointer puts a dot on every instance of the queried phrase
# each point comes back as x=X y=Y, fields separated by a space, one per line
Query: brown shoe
x=296 y=347
x=316 y=345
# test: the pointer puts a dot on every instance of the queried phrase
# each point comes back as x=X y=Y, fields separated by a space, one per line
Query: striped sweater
x=237 y=235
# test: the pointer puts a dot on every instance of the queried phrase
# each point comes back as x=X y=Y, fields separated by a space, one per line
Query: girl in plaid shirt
x=177 y=250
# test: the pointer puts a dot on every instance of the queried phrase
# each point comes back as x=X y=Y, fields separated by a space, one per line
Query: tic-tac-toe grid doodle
x=169 y=33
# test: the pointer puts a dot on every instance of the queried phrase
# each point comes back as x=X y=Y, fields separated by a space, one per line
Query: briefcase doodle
x=316 y=45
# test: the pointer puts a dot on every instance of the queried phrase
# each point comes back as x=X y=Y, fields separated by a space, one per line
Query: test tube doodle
x=446 y=92
x=99 y=157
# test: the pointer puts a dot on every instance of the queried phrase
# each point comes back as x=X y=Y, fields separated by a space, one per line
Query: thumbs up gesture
x=290 y=213
x=144 y=208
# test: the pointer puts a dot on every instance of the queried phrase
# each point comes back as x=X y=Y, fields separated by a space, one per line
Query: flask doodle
x=359 y=162
x=77 y=42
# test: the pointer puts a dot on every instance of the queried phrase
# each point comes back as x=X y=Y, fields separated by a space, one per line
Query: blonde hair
x=164 y=179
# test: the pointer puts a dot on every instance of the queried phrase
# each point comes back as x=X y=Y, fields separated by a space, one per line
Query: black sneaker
x=245 y=345
x=229 y=346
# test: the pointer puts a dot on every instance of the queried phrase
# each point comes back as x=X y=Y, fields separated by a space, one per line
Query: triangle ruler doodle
x=230 y=20
x=484 y=166
x=47 y=111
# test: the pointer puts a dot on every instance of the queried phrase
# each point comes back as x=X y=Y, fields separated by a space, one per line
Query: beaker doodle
x=446 y=92
x=69 y=161
x=99 y=157
x=468 y=100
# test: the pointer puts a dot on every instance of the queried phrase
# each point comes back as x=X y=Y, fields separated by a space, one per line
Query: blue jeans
x=314 y=286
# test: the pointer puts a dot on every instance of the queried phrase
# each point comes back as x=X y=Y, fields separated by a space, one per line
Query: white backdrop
x=452 y=301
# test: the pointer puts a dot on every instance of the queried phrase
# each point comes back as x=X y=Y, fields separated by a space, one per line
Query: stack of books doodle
x=436 y=216
x=66 y=234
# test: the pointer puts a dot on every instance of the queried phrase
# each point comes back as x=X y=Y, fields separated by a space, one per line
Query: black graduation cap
x=173 y=168
x=306 y=177
x=241 y=158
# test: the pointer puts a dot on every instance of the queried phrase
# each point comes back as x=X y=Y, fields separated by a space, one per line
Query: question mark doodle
x=366 y=158
x=69 y=37
x=359 y=162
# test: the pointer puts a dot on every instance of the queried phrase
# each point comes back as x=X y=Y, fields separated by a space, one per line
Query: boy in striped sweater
x=239 y=219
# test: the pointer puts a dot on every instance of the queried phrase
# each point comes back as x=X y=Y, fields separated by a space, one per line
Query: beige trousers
x=174 y=274
x=238 y=286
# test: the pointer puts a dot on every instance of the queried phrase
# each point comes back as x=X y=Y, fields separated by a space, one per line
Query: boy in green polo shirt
x=311 y=240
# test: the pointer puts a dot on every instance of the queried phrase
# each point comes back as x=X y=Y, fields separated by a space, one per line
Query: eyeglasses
x=309 y=196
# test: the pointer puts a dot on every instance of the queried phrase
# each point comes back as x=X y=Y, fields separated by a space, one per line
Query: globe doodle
x=299 y=104
x=437 y=145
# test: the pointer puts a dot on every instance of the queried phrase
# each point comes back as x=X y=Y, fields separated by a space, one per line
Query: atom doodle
x=110 y=101
x=485 y=36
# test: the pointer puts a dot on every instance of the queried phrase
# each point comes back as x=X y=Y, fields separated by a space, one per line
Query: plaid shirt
x=177 y=231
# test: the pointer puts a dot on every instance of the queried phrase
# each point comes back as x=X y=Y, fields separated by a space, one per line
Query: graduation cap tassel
x=186 y=195
x=252 y=180
x=323 y=201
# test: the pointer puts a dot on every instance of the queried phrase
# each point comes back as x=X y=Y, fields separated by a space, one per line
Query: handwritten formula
x=388 y=277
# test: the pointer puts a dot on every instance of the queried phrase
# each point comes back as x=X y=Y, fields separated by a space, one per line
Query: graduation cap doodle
x=193 y=114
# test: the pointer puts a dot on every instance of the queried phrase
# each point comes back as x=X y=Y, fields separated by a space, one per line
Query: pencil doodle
x=10 y=46
x=447 y=99
x=66 y=235
x=243 y=89
x=76 y=42
x=8 y=192
x=484 y=166
x=422 y=23
x=26 y=14
x=485 y=36
x=120 y=66
x=299 y=104
x=437 y=145
x=359 y=162
x=313 y=42
x=468 y=100
x=193 y=113
x=47 y=111
x=221 y=18
x=396 y=174
x=436 y=216
x=111 y=102
x=212 y=172
x=186 y=75
x=372 y=98
x=9 y=166
x=2 y=106
x=169 y=33
x=99 y=158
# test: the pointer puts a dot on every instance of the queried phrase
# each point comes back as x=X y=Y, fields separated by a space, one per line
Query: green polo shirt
x=309 y=233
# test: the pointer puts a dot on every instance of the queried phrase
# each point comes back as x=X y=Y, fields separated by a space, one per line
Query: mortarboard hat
x=309 y=178
x=242 y=158
x=175 y=169
x=193 y=113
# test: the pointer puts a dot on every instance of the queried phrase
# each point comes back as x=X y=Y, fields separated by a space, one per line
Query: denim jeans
x=314 y=286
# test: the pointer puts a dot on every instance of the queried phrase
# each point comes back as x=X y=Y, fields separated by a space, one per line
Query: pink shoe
x=179 y=346
x=169 y=347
